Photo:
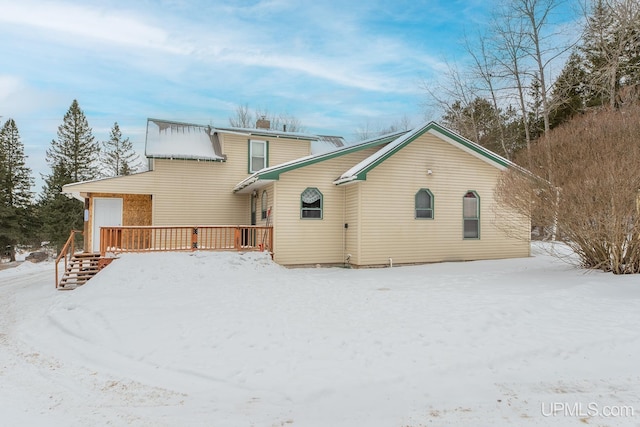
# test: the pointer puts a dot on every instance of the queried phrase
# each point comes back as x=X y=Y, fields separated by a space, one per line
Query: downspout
x=344 y=229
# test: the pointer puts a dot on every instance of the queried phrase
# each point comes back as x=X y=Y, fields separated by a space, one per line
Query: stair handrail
x=66 y=253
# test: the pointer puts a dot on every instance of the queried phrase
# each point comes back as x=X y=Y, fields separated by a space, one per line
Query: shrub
x=586 y=186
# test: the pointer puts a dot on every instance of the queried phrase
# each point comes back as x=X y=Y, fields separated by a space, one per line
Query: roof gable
x=359 y=171
x=273 y=173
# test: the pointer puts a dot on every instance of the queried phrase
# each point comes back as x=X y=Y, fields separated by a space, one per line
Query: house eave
x=347 y=180
x=74 y=195
x=179 y=157
x=248 y=186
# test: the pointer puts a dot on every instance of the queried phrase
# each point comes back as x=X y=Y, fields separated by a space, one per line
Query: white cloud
x=17 y=97
x=270 y=34
x=87 y=22
x=8 y=85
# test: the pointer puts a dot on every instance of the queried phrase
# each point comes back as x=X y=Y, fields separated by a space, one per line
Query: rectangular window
x=257 y=155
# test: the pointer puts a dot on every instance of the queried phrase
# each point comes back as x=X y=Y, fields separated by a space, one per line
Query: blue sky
x=334 y=65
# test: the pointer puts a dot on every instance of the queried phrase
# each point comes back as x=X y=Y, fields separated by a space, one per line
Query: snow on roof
x=353 y=172
x=181 y=140
x=326 y=143
x=168 y=139
x=269 y=132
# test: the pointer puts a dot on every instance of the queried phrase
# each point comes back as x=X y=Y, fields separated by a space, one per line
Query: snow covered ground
x=226 y=339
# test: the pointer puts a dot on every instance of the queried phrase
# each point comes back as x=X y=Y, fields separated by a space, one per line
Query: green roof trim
x=473 y=146
x=395 y=141
x=274 y=174
x=361 y=174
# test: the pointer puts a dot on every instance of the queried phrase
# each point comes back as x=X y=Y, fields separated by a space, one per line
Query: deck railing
x=185 y=238
x=66 y=253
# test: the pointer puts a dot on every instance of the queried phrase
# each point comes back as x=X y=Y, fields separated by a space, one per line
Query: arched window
x=424 y=204
x=471 y=215
x=311 y=204
x=263 y=202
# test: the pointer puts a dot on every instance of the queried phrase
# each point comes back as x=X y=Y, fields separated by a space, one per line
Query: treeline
x=576 y=137
x=503 y=98
x=75 y=155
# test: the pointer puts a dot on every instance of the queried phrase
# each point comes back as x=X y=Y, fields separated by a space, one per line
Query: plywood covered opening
x=137 y=210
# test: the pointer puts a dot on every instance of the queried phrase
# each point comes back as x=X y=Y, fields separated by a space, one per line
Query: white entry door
x=106 y=212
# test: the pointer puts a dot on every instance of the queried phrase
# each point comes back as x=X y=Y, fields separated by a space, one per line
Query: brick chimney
x=263 y=123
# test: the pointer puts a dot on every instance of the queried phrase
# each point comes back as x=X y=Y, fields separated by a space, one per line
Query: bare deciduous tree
x=612 y=48
x=510 y=51
x=536 y=14
x=594 y=198
x=454 y=96
x=486 y=70
x=245 y=118
x=369 y=130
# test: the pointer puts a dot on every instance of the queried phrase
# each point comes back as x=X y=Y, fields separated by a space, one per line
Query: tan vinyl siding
x=190 y=192
x=141 y=183
x=269 y=199
x=352 y=217
x=389 y=227
x=312 y=241
x=283 y=150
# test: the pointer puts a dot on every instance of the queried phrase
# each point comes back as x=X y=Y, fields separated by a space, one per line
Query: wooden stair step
x=77 y=278
x=83 y=271
x=81 y=268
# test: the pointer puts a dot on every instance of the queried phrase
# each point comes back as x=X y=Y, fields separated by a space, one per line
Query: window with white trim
x=311 y=204
x=424 y=204
x=471 y=215
x=258 y=154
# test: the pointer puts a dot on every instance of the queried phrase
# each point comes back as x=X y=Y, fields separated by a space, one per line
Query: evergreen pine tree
x=75 y=147
x=611 y=49
x=599 y=38
x=118 y=156
x=477 y=122
x=15 y=188
x=73 y=157
x=16 y=184
x=59 y=213
x=567 y=98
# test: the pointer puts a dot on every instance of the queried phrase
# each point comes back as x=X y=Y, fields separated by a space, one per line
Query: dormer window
x=258 y=155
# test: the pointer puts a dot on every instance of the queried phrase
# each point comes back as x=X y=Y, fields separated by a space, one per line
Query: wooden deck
x=185 y=238
x=80 y=267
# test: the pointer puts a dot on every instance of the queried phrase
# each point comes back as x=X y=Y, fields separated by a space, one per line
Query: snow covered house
x=426 y=195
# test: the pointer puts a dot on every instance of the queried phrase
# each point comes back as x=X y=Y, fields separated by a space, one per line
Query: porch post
x=86 y=237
